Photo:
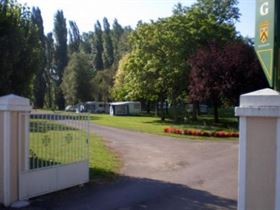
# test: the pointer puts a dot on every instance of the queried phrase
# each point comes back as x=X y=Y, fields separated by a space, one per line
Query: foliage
x=76 y=85
x=49 y=71
x=19 y=49
x=120 y=89
x=224 y=11
x=39 y=88
x=74 y=37
x=102 y=84
x=222 y=73
x=60 y=56
x=108 y=54
x=117 y=33
x=98 y=47
x=156 y=69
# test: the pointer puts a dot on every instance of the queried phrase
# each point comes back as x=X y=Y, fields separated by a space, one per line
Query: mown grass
x=104 y=163
x=153 y=125
x=52 y=143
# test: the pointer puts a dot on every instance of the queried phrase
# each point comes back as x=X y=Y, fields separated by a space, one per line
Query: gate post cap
x=261 y=98
x=13 y=102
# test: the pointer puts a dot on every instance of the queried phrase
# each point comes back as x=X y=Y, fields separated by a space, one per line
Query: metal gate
x=54 y=153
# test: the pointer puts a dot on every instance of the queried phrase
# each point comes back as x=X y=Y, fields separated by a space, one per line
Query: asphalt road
x=203 y=165
x=158 y=173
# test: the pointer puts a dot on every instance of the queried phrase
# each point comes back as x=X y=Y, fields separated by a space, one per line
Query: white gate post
x=10 y=107
x=259 y=152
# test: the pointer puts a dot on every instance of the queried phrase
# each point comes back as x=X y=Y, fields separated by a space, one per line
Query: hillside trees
x=19 y=49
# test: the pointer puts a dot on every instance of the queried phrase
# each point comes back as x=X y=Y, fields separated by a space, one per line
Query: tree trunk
x=148 y=107
x=156 y=109
x=216 y=113
x=195 y=110
x=162 y=111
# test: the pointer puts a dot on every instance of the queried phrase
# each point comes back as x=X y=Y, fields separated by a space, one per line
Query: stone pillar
x=259 y=152
x=12 y=127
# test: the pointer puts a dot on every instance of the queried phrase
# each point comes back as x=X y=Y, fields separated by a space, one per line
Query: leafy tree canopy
x=19 y=49
x=76 y=85
x=222 y=74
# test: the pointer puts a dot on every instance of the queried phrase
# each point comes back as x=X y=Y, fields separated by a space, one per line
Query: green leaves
x=19 y=49
x=76 y=85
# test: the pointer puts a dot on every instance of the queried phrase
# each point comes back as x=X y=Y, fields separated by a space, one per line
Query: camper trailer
x=95 y=106
x=125 y=108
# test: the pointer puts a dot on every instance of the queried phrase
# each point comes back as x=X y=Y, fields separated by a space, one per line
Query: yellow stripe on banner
x=267 y=69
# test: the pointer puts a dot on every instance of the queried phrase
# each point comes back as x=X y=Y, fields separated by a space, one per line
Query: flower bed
x=196 y=132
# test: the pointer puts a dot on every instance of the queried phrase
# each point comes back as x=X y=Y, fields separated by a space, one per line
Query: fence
x=40 y=152
x=57 y=139
x=57 y=146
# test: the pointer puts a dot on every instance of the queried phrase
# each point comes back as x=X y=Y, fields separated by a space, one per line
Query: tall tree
x=102 y=84
x=98 y=47
x=39 y=87
x=19 y=49
x=222 y=73
x=74 y=37
x=179 y=9
x=225 y=11
x=86 y=42
x=155 y=71
x=50 y=70
x=108 y=54
x=60 y=34
x=76 y=79
x=154 y=68
x=117 y=33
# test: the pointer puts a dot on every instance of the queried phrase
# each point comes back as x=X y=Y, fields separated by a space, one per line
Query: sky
x=128 y=12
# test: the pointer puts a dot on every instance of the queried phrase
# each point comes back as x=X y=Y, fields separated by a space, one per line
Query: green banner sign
x=265 y=43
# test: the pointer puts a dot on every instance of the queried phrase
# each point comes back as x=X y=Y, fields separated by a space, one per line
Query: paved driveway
x=158 y=173
x=203 y=165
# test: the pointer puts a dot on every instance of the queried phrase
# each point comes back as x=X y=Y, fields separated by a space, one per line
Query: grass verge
x=153 y=125
x=53 y=143
x=104 y=163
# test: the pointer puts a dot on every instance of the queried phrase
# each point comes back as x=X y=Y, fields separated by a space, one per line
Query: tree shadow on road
x=130 y=193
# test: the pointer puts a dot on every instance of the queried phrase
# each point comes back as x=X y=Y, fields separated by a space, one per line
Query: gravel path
x=158 y=173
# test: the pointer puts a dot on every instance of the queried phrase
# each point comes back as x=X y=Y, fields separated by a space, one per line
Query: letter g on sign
x=264 y=9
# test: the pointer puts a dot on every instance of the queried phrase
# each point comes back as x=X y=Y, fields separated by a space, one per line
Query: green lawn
x=153 y=125
x=52 y=143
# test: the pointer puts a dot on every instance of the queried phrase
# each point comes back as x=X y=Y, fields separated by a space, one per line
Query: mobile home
x=95 y=106
x=125 y=108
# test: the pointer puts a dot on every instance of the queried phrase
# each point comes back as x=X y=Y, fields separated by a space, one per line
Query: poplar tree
x=50 y=70
x=60 y=57
x=108 y=54
x=75 y=37
x=98 y=47
x=39 y=84
x=117 y=33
